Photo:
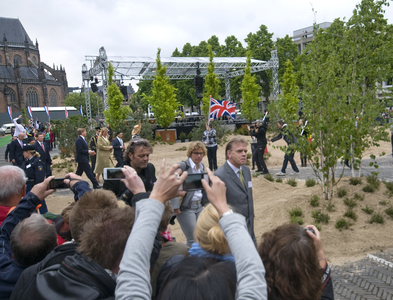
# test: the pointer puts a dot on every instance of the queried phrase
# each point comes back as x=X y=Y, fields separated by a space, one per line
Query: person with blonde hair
x=104 y=149
x=188 y=210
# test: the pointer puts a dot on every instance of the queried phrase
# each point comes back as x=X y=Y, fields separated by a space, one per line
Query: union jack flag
x=221 y=108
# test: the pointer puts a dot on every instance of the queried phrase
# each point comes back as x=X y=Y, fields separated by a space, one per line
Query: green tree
x=286 y=50
x=261 y=45
x=78 y=99
x=163 y=98
x=211 y=85
x=25 y=116
x=250 y=93
x=115 y=113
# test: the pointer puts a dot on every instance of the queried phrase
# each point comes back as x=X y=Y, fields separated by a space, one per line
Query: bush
x=389 y=186
x=310 y=182
x=369 y=189
x=55 y=157
x=368 y=210
x=279 y=180
x=184 y=148
x=373 y=181
x=295 y=211
x=350 y=202
x=342 y=224
x=389 y=211
x=355 y=180
x=269 y=177
x=314 y=201
x=292 y=182
x=383 y=203
x=319 y=217
x=159 y=139
x=341 y=192
x=70 y=170
x=351 y=214
x=182 y=136
x=358 y=197
x=189 y=136
x=330 y=207
x=297 y=220
x=377 y=218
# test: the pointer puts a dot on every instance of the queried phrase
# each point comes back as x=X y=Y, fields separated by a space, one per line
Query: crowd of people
x=114 y=241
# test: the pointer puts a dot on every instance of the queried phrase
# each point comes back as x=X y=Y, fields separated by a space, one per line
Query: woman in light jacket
x=104 y=149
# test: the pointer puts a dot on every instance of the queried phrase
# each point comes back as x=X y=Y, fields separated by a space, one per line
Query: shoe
x=253 y=169
x=260 y=171
x=97 y=187
x=294 y=173
x=281 y=174
x=265 y=172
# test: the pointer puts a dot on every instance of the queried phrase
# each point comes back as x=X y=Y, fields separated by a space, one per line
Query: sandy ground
x=272 y=200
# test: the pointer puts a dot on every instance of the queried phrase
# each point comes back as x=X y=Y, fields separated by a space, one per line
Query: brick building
x=24 y=79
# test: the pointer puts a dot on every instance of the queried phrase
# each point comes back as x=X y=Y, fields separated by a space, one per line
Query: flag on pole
x=9 y=110
x=66 y=112
x=29 y=111
x=47 y=111
x=221 y=108
x=81 y=111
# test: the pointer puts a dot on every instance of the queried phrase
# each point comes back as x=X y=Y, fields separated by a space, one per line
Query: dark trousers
x=258 y=157
x=289 y=158
x=120 y=161
x=212 y=157
x=253 y=149
x=93 y=160
x=83 y=167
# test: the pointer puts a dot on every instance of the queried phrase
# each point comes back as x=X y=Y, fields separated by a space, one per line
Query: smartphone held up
x=193 y=182
x=113 y=174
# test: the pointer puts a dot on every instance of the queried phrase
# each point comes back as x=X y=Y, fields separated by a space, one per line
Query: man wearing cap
x=93 y=147
x=118 y=149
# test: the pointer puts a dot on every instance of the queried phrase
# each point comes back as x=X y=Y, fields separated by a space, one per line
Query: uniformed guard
x=34 y=170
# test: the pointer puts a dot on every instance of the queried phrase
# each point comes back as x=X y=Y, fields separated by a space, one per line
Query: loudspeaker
x=94 y=87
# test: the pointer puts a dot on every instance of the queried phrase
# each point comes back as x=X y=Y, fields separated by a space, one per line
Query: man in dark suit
x=118 y=149
x=82 y=158
x=16 y=150
x=44 y=153
x=8 y=149
x=237 y=178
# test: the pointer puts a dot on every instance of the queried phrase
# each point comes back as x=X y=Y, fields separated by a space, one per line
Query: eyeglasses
x=197 y=153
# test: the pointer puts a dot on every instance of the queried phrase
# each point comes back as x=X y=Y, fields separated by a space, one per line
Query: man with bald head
x=16 y=150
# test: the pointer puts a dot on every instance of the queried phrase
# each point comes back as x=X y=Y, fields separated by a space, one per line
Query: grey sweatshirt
x=133 y=281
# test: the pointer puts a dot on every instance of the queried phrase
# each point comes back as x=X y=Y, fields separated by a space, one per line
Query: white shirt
x=197 y=194
x=121 y=141
x=235 y=169
x=19 y=128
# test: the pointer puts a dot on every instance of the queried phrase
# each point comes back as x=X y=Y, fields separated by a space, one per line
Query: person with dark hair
x=209 y=138
x=44 y=153
x=133 y=277
x=93 y=147
x=82 y=158
x=291 y=140
x=296 y=266
x=24 y=241
x=192 y=203
x=237 y=178
x=16 y=150
x=118 y=149
x=136 y=155
x=260 y=135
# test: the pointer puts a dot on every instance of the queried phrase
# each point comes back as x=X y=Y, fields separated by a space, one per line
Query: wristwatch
x=227 y=213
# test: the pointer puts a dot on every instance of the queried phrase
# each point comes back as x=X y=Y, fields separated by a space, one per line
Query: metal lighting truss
x=143 y=68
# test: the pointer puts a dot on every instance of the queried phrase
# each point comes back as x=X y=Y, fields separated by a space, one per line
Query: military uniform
x=93 y=146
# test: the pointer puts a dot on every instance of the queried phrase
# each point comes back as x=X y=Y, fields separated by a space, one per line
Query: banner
x=81 y=111
x=47 y=111
x=221 y=108
x=9 y=110
x=66 y=112
x=29 y=111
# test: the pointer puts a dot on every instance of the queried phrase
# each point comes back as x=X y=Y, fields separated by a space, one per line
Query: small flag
x=29 y=111
x=81 y=111
x=221 y=108
x=66 y=112
x=9 y=110
x=47 y=111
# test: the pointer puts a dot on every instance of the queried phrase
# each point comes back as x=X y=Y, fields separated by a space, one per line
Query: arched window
x=52 y=97
x=17 y=60
x=32 y=97
x=12 y=96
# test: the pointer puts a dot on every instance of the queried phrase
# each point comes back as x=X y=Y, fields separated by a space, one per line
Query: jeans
x=289 y=157
x=212 y=157
x=187 y=220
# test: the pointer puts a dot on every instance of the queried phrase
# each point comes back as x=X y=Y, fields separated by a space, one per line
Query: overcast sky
x=67 y=30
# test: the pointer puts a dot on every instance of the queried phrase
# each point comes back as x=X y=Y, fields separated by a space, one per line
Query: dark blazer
x=16 y=152
x=44 y=156
x=82 y=151
x=7 y=151
x=117 y=151
x=238 y=196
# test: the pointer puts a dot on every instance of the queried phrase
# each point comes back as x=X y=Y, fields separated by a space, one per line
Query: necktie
x=20 y=142
x=241 y=177
x=42 y=145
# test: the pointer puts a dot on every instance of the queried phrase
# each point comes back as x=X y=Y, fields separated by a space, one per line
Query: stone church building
x=24 y=79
